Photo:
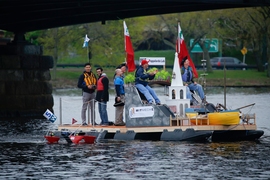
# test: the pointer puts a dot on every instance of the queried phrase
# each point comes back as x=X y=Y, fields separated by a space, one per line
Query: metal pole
x=92 y=113
x=224 y=82
x=88 y=110
x=87 y=53
x=204 y=74
x=244 y=60
x=60 y=111
x=246 y=106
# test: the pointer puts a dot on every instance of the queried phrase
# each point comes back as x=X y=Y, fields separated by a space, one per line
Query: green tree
x=56 y=43
x=240 y=27
x=247 y=27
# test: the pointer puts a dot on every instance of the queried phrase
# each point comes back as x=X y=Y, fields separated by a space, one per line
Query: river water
x=25 y=155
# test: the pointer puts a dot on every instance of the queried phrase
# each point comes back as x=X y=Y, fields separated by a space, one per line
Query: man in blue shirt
x=120 y=97
x=141 y=82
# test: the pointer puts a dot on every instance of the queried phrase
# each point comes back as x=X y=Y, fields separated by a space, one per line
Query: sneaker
x=158 y=104
x=120 y=124
x=204 y=101
x=103 y=125
x=84 y=124
x=111 y=123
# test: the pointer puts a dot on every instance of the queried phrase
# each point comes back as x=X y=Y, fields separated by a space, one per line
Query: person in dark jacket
x=102 y=96
x=141 y=82
x=87 y=82
x=188 y=79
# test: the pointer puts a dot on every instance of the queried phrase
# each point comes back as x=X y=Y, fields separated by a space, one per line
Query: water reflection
x=135 y=160
x=25 y=155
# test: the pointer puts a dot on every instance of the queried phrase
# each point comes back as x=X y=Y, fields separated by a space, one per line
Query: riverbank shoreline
x=68 y=78
x=65 y=83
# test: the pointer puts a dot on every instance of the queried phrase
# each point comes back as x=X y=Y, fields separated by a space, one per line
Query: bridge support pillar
x=25 y=90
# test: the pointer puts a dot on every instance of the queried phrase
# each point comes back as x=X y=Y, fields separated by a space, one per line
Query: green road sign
x=198 y=49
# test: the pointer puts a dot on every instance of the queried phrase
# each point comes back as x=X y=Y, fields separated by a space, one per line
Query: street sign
x=244 y=50
x=213 y=45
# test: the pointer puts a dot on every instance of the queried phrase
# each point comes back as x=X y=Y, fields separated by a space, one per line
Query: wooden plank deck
x=123 y=129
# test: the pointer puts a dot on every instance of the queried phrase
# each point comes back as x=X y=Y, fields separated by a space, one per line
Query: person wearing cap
x=188 y=80
x=141 y=82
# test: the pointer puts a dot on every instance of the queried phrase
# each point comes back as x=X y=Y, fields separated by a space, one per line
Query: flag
x=182 y=50
x=74 y=121
x=129 y=50
x=85 y=43
x=50 y=116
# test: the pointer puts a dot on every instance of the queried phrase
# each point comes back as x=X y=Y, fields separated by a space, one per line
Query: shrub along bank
x=68 y=77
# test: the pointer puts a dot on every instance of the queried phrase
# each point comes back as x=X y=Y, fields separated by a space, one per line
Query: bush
x=130 y=78
x=161 y=75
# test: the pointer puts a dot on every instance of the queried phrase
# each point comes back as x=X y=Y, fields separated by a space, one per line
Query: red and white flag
x=74 y=121
x=129 y=50
x=182 y=50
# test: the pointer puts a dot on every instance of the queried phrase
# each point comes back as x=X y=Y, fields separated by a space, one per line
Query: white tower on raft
x=177 y=92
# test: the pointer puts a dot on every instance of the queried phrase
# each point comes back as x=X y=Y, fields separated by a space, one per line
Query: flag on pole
x=182 y=50
x=50 y=116
x=86 y=40
x=129 y=50
x=74 y=121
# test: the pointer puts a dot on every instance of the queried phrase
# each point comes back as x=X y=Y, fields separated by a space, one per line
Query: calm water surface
x=25 y=155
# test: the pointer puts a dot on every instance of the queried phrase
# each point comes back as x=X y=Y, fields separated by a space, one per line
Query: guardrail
x=167 y=66
x=230 y=67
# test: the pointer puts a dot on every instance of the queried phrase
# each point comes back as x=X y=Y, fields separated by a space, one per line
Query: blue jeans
x=188 y=94
x=148 y=93
x=198 y=88
x=102 y=108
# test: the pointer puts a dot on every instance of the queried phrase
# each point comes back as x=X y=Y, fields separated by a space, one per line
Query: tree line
x=237 y=28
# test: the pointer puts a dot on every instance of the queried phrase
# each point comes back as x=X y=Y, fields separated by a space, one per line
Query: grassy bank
x=67 y=77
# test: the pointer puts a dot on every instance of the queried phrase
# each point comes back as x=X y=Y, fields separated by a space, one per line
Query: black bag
x=118 y=103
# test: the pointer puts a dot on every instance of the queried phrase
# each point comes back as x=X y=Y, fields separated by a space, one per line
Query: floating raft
x=175 y=132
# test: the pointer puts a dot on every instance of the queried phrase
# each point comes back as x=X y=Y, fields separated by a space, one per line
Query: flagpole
x=87 y=55
x=125 y=47
x=178 y=37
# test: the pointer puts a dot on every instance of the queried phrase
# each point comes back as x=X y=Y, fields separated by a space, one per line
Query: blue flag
x=85 y=43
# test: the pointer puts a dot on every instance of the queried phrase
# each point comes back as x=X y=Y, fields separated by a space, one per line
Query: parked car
x=230 y=63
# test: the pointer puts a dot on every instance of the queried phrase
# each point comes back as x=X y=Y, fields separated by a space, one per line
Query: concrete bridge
x=25 y=89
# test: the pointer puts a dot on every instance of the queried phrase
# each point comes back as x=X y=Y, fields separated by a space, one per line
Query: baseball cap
x=144 y=62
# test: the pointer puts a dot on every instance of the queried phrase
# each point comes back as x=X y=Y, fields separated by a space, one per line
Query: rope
x=68 y=106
